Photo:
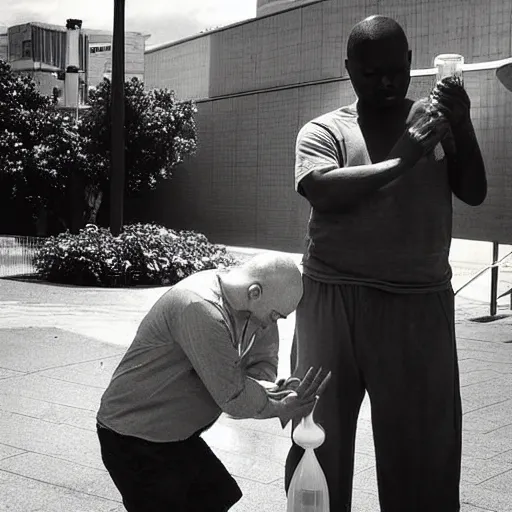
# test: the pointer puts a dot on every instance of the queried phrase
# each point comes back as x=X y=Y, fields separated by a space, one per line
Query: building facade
x=4 y=43
x=265 y=7
x=257 y=82
x=40 y=49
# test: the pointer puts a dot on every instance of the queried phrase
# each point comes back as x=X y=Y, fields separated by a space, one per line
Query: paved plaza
x=59 y=346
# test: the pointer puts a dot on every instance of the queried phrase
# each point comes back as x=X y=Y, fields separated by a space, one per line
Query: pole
x=118 y=136
x=494 y=279
x=72 y=103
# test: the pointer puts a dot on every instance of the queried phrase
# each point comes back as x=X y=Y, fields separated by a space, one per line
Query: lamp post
x=117 y=176
x=72 y=105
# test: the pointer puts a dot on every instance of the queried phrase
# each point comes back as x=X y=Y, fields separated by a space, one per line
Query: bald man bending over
x=378 y=305
x=207 y=346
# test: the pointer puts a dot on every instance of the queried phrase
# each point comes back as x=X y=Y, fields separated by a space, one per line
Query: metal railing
x=16 y=254
x=494 y=268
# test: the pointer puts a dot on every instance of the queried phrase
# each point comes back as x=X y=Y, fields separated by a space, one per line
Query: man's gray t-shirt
x=397 y=238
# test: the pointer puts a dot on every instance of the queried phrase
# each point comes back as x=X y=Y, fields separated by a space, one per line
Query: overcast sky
x=165 y=20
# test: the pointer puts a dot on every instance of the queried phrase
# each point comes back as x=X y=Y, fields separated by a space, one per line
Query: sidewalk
x=59 y=346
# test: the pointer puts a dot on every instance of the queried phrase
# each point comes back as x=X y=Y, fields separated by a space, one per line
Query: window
x=26 y=49
x=97 y=48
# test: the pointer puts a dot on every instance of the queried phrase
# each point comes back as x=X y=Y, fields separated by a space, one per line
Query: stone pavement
x=59 y=346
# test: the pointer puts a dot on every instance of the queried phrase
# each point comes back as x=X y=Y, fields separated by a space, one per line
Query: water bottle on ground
x=308 y=490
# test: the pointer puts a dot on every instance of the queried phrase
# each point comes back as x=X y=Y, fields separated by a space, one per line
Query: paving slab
x=468 y=378
x=247 y=443
x=489 y=418
x=492 y=332
x=7 y=374
x=60 y=441
x=7 y=451
x=53 y=471
x=477 y=471
x=489 y=392
x=480 y=497
x=48 y=411
x=72 y=501
x=35 y=349
x=95 y=373
x=504 y=457
x=58 y=391
x=472 y=364
x=256 y=468
x=258 y=497
x=473 y=447
x=366 y=481
x=20 y=494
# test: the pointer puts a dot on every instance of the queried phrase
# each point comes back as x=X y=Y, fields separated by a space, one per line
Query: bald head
x=275 y=267
x=375 y=30
x=268 y=284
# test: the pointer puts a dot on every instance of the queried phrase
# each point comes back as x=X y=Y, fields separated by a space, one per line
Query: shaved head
x=271 y=267
x=375 y=29
x=266 y=285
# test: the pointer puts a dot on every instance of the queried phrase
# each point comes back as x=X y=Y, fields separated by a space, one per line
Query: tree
x=160 y=133
x=25 y=124
x=43 y=150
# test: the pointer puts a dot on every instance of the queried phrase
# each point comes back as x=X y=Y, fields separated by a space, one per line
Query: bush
x=142 y=254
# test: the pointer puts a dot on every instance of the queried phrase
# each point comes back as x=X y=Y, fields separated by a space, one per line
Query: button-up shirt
x=186 y=365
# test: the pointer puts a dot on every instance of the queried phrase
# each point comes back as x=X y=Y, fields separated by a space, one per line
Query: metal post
x=494 y=278
x=118 y=136
x=72 y=103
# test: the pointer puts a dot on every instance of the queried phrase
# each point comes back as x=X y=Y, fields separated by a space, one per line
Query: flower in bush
x=141 y=254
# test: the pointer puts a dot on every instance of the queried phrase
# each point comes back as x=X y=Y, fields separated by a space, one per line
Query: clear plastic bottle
x=449 y=64
x=308 y=490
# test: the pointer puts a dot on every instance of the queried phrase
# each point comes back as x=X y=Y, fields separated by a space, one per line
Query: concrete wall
x=308 y=43
x=185 y=68
x=265 y=7
x=239 y=188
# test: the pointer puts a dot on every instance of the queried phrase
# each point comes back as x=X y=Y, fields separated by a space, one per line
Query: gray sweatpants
x=401 y=349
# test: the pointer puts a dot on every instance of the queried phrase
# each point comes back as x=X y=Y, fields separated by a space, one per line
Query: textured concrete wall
x=185 y=68
x=239 y=189
x=308 y=43
x=265 y=7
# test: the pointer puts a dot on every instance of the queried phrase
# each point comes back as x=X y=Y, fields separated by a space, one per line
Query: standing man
x=378 y=306
x=209 y=345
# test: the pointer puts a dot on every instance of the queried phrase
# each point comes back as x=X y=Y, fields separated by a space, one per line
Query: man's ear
x=254 y=292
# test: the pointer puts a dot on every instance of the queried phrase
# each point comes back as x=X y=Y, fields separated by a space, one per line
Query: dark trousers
x=183 y=476
x=401 y=349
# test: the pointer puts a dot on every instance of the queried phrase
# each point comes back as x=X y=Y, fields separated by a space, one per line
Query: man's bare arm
x=465 y=163
x=466 y=166
x=330 y=188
